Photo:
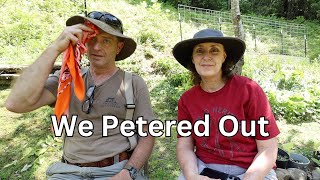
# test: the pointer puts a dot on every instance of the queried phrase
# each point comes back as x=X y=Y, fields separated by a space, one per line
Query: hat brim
x=129 y=44
x=234 y=48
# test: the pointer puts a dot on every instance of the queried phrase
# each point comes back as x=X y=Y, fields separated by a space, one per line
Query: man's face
x=103 y=49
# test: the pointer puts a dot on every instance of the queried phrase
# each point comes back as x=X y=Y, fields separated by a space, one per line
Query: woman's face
x=208 y=58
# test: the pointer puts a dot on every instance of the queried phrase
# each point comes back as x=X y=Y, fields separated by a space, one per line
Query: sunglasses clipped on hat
x=234 y=47
x=107 y=18
x=109 y=24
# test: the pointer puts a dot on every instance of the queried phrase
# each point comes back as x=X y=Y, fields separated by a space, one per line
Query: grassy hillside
x=27 y=146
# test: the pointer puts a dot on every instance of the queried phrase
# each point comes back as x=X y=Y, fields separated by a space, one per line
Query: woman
x=217 y=92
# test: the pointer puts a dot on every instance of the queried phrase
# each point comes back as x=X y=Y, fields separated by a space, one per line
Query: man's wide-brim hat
x=129 y=44
x=234 y=47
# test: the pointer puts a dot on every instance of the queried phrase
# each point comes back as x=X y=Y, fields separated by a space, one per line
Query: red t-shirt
x=244 y=99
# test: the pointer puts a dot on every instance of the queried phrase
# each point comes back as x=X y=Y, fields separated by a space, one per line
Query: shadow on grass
x=166 y=94
x=21 y=147
x=163 y=163
x=4 y=87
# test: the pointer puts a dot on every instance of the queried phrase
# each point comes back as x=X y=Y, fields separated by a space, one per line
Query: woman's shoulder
x=246 y=84
x=191 y=92
x=244 y=81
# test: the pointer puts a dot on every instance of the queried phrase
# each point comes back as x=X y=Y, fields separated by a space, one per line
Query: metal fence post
x=282 y=50
x=255 y=38
x=180 y=27
x=85 y=8
x=305 y=45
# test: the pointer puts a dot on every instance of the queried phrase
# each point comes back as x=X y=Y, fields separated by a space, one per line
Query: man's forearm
x=32 y=81
x=142 y=152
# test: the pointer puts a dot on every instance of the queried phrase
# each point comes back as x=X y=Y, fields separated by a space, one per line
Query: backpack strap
x=128 y=90
x=84 y=71
x=130 y=106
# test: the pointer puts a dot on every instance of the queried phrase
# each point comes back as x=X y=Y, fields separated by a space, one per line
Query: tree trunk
x=238 y=30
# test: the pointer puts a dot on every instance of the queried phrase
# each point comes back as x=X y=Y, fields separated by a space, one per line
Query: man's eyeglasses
x=87 y=104
x=107 y=18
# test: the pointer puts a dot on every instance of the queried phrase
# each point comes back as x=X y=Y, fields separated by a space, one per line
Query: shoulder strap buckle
x=130 y=106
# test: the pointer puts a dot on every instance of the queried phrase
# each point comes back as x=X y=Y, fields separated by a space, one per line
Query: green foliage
x=26 y=144
x=209 y=4
x=170 y=89
x=309 y=9
x=293 y=100
x=295 y=108
x=164 y=164
x=29 y=26
x=306 y=149
x=152 y=37
x=266 y=7
x=287 y=81
x=316 y=161
x=287 y=146
x=290 y=86
x=313 y=41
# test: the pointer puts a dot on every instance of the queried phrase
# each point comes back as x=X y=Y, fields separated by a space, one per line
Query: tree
x=238 y=30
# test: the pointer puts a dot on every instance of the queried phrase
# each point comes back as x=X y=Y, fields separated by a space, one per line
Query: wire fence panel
x=262 y=35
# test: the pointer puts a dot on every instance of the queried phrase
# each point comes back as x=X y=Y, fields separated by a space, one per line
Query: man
x=96 y=156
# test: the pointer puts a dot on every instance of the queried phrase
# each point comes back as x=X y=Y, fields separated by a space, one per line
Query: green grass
x=163 y=163
x=27 y=147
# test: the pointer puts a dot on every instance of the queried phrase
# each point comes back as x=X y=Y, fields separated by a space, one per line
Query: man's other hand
x=122 y=175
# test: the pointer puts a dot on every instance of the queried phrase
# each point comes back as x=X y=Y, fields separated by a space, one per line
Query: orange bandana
x=70 y=71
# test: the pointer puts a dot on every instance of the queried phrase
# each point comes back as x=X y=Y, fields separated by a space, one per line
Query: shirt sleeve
x=183 y=113
x=53 y=82
x=142 y=100
x=259 y=108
